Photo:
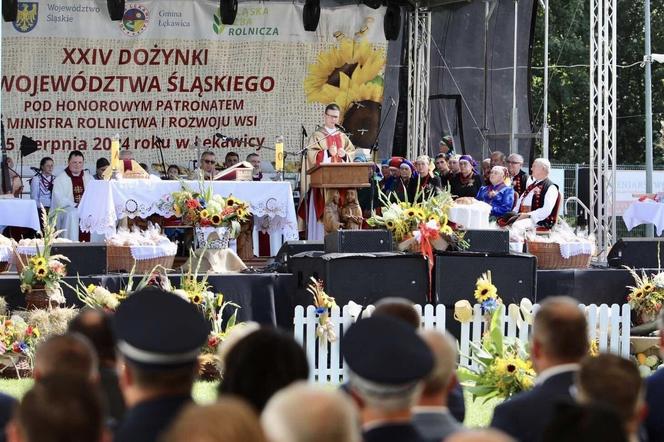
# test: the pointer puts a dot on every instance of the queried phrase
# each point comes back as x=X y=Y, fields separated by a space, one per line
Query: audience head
x=385 y=374
x=442 y=378
x=486 y=435
x=231 y=159
x=255 y=160
x=71 y=353
x=541 y=168
x=584 y=423
x=497 y=158
x=405 y=171
x=422 y=165
x=329 y=415
x=454 y=164
x=486 y=167
x=173 y=172
x=102 y=165
x=126 y=154
x=446 y=145
x=385 y=169
x=58 y=408
x=46 y=166
x=514 y=163
x=95 y=325
x=227 y=420
x=441 y=163
x=399 y=308
x=75 y=162
x=159 y=336
x=560 y=333
x=497 y=175
x=466 y=165
x=208 y=162
x=615 y=382
x=261 y=364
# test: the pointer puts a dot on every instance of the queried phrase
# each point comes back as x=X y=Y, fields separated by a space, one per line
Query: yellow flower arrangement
x=484 y=288
x=323 y=303
x=647 y=296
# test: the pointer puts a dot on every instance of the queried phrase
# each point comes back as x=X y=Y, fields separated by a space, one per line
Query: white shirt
x=555 y=370
x=40 y=193
x=550 y=198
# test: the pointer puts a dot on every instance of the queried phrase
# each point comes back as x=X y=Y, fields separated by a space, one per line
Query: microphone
x=304 y=131
x=35 y=169
x=159 y=140
x=341 y=128
x=222 y=136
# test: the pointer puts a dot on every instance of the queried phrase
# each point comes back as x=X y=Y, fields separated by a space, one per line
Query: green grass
x=478 y=414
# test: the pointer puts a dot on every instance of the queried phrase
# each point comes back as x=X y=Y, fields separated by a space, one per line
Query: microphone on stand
x=35 y=169
x=304 y=131
x=341 y=128
x=197 y=152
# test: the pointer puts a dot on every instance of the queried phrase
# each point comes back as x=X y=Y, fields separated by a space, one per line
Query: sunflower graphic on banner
x=350 y=74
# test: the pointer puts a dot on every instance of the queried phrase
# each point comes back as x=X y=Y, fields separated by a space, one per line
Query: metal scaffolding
x=419 y=55
x=603 y=32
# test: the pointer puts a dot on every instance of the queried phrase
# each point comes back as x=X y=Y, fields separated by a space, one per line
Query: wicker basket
x=120 y=259
x=21 y=259
x=4 y=266
x=549 y=257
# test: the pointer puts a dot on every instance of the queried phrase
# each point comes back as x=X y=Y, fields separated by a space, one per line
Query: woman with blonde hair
x=227 y=420
x=426 y=184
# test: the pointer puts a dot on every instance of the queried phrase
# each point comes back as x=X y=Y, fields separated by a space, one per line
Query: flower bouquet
x=211 y=215
x=41 y=275
x=502 y=366
x=323 y=303
x=646 y=297
x=17 y=343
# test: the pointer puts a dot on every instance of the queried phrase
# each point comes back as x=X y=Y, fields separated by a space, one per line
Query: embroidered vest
x=538 y=190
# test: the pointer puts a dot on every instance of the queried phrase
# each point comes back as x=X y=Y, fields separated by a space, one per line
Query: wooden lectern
x=340 y=175
x=339 y=182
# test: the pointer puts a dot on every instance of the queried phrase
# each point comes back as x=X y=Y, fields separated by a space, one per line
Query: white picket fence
x=608 y=325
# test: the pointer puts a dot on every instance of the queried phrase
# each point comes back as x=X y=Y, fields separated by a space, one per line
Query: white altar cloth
x=106 y=202
x=645 y=212
x=19 y=213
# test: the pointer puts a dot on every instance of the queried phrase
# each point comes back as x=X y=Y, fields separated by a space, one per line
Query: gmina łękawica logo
x=26 y=16
x=135 y=20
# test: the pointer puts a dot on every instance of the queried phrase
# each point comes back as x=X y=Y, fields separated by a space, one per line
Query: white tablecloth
x=19 y=213
x=471 y=216
x=105 y=202
x=645 y=212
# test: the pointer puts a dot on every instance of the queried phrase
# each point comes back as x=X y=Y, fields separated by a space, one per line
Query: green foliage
x=569 y=87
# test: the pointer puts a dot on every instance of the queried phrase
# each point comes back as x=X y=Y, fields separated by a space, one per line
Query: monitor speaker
x=290 y=248
x=85 y=258
x=488 y=241
x=638 y=253
x=358 y=241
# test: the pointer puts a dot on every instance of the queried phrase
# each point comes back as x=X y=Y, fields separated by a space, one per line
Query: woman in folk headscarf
x=426 y=181
x=467 y=182
x=498 y=193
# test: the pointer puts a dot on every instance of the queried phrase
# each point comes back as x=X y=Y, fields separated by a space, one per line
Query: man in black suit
x=159 y=336
x=7 y=405
x=387 y=361
x=655 y=395
x=559 y=342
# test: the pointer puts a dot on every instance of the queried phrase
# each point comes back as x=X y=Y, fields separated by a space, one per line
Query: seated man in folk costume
x=328 y=144
x=68 y=189
x=538 y=206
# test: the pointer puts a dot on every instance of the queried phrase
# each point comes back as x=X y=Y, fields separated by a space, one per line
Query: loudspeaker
x=363 y=278
x=290 y=248
x=228 y=10
x=9 y=10
x=116 y=9
x=85 y=258
x=311 y=15
x=392 y=20
x=638 y=253
x=358 y=241
x=514 y=275
x=488 y=241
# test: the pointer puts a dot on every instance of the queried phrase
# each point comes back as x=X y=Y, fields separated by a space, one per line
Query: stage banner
x=171 y=71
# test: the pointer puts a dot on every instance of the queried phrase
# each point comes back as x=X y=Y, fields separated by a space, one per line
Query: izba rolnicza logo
x=26 y=16
x=135 y=20
x=217 y=25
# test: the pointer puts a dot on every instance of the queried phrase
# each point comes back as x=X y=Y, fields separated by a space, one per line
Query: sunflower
x=447 y=230
x=351 y=92
x=177 y=211
x=215 y=219
x=242 y=212
x=41 y=272
x=91 y=288
x=196 y=298
x=648 y=287
x=358 y=61
x=38 y=261
x=205 y=214
x=485 y=290
x=410 y=213
x=390 y=224
x=230 y=201
x=419 y=214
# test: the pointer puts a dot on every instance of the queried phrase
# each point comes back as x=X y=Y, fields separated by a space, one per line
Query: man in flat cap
x=387 y=361
x=159 y=336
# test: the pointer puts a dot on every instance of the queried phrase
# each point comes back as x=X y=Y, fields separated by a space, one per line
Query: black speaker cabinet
x=363 y=278
x=639 y=253
x=358 y=241
x=488 y=241
x=290 y=248
x=85 y=258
